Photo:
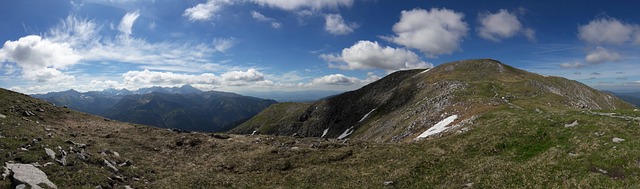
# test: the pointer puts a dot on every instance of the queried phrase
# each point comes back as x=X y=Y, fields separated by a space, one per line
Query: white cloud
x=434 y=32
x=335 y=79
x=600 y=55
x=607 y=31
x=40 y=59
x=248 y=76
x=575 y=64
x=258 y=16
x=367 y=55
x=222 y=45
x=530 y=34
x=262 y=18
x=298 y=4
x=127 y=23
x=205 y=11
x=76 y=32
x=341 y=80
x=276 y=25
x=83 y=37
x=153 y=78
x=502 y=25
x=335 y=25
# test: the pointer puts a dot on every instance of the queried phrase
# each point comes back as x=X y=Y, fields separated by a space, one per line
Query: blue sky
x=289 y=45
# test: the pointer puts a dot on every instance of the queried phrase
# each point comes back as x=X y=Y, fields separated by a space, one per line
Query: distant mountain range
x=633 y=98
x=183 y=107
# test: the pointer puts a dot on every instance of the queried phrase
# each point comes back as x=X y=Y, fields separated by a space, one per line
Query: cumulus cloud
x=600 y=55
x=127 y=23
x=248 y=76
x=368 y=55
x=607 y=31
x=501 y=25
x=434 y=32
x=262 y=18
x=341 y=80
x=149 y=78
x=298 y=4
x=335 y=25
x=205 y=11
x=575 y=64
x=335 y=79
x=40 y=59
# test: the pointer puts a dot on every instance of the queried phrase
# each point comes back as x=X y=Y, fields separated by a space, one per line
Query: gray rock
x=127 y=187
x=575 y=123
x=50 y=152
x=3 y=116
x=617 y=140
x=468 y=185
x=28 y=174
x=388 y=183
x=573 y=155
x=110 y=165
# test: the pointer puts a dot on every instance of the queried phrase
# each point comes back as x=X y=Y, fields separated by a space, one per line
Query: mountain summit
x=407 y=103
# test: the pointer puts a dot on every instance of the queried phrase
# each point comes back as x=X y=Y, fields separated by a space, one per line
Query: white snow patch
x=324 y=133
x=346 y=133
x=425 y=71
x=438 y=128
x=254 y=132
x=366 y=115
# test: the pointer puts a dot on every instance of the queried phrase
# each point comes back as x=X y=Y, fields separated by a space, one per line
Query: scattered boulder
x=387 y=183
x=572 y=154
x=3 y=116
x=220 y=136
x=468 y=185
x=39 y=110
x=110 y=165
x=50 y=152
x=599 y=133
x=28 y=174
x=617 y=140
x=575 y=123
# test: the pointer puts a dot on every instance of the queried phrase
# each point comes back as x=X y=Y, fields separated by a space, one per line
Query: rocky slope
x=405 y=104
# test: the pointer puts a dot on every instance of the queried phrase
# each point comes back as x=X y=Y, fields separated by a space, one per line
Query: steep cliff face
x=405 y=104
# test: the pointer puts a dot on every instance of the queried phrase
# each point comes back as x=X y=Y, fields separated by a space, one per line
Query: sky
x=299 y=45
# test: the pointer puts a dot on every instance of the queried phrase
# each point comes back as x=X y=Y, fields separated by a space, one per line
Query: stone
x=21 y=186
x=575 y=123
x=30 y=175
x=40 y=110
x=3 y=116
x=127 y=187
x=110 y=165
x=387 y=183
x=468 y=185
x=573 y=155
x=617 y=140
x=50 y=152
x=295 y=148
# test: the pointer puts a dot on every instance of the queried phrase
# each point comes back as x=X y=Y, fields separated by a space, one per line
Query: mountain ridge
x=185 y=107
x=405 y=103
